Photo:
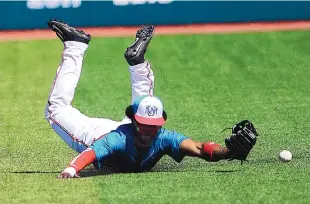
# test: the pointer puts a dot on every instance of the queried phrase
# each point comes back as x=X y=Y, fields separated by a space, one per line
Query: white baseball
x=285 y=156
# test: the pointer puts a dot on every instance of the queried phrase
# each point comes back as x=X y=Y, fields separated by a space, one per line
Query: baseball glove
x=242 y=140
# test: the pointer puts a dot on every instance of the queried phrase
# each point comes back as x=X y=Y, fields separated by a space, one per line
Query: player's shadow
x=180 y=170
x=91 y=172
x=107 y=171
x=33 y=172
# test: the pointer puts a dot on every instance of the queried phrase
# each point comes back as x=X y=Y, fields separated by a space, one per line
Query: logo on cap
x=148 y=110
x=151 y=110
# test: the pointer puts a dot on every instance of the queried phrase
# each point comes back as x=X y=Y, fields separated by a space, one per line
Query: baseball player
x=139 y=141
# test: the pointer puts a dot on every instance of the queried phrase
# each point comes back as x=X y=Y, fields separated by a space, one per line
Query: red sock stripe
x=52 y=89
x=58 y=71
x=148 y=66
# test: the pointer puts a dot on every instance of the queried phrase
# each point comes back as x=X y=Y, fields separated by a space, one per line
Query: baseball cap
x=148 y=110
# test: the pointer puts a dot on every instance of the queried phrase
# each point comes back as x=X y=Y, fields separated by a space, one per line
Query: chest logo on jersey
x=151 y=110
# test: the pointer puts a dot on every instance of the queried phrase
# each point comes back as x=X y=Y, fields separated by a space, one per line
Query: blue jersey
x=118 y=148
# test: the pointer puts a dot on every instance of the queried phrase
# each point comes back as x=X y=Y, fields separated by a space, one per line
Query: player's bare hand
x=65 y=175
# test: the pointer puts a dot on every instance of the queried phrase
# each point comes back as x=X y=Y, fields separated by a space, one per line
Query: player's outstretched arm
x=208 y=151
x=84 y=159
x=103 y=147
x=237 y=146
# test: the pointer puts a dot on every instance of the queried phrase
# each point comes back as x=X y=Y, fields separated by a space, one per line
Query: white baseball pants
x=76 y=129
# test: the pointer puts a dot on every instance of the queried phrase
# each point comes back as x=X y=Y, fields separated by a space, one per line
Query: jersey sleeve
x=171 y=144
x=108 y=145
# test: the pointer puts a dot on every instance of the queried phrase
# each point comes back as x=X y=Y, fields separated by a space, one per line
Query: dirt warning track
x=164 y=30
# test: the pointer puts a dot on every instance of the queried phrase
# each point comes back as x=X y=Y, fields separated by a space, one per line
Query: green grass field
x=208 y=83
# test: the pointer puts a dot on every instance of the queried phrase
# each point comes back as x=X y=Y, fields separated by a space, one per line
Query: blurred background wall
x=33 y=14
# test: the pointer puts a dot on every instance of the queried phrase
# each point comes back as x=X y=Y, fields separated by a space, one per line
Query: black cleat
x=135 y=53
x=68 y=33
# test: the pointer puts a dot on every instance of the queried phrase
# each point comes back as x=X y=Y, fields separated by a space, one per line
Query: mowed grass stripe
x=208 y=82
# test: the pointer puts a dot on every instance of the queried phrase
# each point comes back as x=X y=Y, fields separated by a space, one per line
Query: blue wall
x=18 y=15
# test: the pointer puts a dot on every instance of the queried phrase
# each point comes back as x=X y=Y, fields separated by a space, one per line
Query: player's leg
x=141 y=74
x=69 y=123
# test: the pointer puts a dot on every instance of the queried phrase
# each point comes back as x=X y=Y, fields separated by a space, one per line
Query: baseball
x=285 y=156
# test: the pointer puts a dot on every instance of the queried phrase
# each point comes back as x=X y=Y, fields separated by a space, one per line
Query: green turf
x=208 y=82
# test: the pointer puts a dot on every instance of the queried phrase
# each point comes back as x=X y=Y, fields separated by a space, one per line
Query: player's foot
x=67 y=33
x=135 y=52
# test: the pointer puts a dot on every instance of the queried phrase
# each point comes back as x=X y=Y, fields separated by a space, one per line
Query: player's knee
x=55 y=105
x=50 y=109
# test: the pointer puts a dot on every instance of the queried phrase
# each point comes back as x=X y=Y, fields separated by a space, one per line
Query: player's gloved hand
x=242 y=140
x=68 y=173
